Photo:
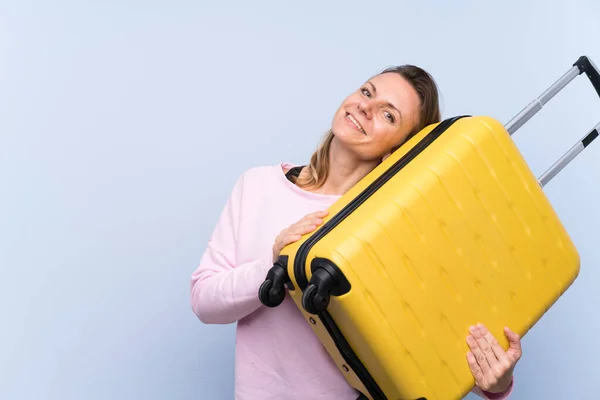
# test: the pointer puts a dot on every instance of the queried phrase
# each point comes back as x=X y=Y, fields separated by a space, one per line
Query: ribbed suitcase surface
x=461 y=233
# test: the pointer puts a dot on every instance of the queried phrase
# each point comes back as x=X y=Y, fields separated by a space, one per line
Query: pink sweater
x=277 y=355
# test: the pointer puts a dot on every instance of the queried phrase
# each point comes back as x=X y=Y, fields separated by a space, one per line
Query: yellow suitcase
x=451 y=230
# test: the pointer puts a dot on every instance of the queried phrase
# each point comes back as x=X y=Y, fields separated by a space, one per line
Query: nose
x=365 y=106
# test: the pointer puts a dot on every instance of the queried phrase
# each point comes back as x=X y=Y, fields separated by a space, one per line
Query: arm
x=223 y=290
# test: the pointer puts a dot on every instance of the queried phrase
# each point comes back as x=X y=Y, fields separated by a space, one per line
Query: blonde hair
x=429 y=113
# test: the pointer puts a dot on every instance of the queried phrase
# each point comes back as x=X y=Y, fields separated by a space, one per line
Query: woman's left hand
x=491 y=366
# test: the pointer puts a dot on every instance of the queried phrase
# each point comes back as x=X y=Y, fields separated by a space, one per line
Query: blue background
x=124 y=124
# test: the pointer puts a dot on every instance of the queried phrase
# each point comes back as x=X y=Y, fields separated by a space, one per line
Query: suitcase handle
x=569 y=156
x=582 y=65
x=586 y=65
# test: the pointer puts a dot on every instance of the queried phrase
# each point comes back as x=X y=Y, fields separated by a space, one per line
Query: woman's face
x=377 y=117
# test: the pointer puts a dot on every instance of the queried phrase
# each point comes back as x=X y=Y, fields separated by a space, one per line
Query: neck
x=345 y=170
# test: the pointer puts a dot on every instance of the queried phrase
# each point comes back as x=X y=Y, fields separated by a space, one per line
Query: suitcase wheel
x=313 y=301
x=272 y=291
x=326 y=281
x=269 y=295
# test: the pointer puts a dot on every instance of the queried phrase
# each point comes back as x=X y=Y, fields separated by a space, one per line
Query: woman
x=277 y=354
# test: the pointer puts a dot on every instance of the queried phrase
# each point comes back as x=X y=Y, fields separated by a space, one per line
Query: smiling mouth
x=355 y=122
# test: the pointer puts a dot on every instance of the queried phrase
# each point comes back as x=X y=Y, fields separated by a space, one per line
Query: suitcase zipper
x=300 y=260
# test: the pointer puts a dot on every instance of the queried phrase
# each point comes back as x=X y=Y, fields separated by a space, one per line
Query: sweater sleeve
x=495 y=396
x=222 y=290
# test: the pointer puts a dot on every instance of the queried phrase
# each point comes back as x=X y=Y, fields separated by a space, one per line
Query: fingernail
x=472 y=329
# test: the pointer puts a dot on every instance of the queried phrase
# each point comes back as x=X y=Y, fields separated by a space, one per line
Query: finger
x=316 y=217
x=310 y=221
x=475 y=369
x=307 y=224
x=299 y=228
x=492 y=341
x=503 y=363
x=514 y=351
x=317 y=214
x=287 y=239
x=302 y=229
x=480 y=357
x=287 y=236
x=485 y=346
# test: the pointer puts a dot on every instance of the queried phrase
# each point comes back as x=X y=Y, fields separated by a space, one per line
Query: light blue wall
x=124 y=124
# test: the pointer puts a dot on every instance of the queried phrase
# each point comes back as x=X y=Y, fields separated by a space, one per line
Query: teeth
x=355 y=122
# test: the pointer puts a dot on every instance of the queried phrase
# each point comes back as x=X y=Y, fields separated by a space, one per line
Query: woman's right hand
x=294 y=233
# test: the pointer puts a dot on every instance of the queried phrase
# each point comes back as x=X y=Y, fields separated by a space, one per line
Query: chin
x=343 y=134
x=346 y=133
x=349 y=135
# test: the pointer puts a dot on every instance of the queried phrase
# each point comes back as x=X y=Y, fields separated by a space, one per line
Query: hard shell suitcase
x=450 y=230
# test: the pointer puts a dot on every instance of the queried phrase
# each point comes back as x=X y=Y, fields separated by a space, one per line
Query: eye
x=366 y=92
x=389 y=116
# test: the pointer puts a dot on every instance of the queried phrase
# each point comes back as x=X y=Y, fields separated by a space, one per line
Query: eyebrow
x=388 y=103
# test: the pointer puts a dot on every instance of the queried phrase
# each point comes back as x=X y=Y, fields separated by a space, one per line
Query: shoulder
x=261 y=171
x=270 y=176
x=260 y=175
